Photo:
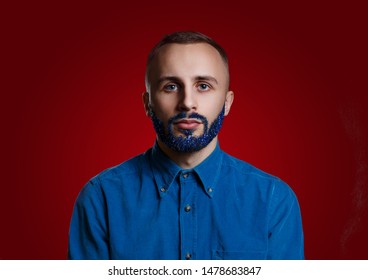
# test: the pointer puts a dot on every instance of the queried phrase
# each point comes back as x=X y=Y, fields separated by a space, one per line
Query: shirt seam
x=264 y=176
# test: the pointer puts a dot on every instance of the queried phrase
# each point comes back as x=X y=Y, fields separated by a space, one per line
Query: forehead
x=176 y=59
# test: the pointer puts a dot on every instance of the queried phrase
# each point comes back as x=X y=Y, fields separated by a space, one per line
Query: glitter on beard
x=187 y=143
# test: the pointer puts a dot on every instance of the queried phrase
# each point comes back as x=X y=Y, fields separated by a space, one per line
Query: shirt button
x=210 y=190
x=188 y=256
x=187 y=208
x=163 y=189
x=185 y=175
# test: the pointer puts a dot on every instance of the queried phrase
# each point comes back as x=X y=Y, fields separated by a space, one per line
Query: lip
x=187 y=123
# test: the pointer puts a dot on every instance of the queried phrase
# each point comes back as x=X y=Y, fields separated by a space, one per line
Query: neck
x=191 y=159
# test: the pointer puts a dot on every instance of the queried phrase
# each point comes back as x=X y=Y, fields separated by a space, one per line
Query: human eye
x=170 y=87
x=203 y=87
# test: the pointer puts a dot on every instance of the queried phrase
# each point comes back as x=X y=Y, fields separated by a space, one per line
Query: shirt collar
x=165 y=170
x=209 y=170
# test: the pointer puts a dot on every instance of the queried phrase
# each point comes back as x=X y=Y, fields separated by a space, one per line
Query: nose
x=188 y=100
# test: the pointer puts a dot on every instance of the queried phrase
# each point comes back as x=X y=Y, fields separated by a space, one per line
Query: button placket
x=188 y=188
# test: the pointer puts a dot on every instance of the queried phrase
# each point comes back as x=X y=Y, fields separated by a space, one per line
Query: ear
x=228 y=101
x=146 y=102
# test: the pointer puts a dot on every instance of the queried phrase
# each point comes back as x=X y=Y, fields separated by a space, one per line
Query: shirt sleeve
x=285 y=236
x=88 y=236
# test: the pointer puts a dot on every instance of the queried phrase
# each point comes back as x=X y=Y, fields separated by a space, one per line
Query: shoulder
x=245 y=168
x=115 y=177
x=131 y=166
x=251 y=176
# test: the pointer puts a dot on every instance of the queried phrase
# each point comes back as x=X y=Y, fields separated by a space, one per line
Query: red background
x=73 y=74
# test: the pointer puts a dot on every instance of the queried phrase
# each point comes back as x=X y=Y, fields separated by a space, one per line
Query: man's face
x=188 y=95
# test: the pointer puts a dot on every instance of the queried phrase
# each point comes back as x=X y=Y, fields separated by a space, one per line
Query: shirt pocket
x=238 y=255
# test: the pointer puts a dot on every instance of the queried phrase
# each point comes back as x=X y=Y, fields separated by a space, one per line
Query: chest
x=186 y=222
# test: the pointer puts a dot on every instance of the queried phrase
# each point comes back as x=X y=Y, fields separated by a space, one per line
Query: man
x=185 y=198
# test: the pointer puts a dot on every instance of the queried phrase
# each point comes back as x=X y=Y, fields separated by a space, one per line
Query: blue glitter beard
x=187 y=143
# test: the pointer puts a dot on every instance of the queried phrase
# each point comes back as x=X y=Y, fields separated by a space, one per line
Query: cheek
x=211 y=108
x=164 y=109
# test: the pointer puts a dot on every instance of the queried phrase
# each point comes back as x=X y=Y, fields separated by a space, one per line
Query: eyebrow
x=206 y=78
x=176 y=79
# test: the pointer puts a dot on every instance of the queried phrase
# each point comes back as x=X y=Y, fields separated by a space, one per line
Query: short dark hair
x=183 y=37
x=186 y=37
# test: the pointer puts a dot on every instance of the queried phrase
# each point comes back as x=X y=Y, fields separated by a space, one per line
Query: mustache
x=183 y=115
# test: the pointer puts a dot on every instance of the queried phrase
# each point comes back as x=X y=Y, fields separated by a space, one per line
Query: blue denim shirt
x=150 y=208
